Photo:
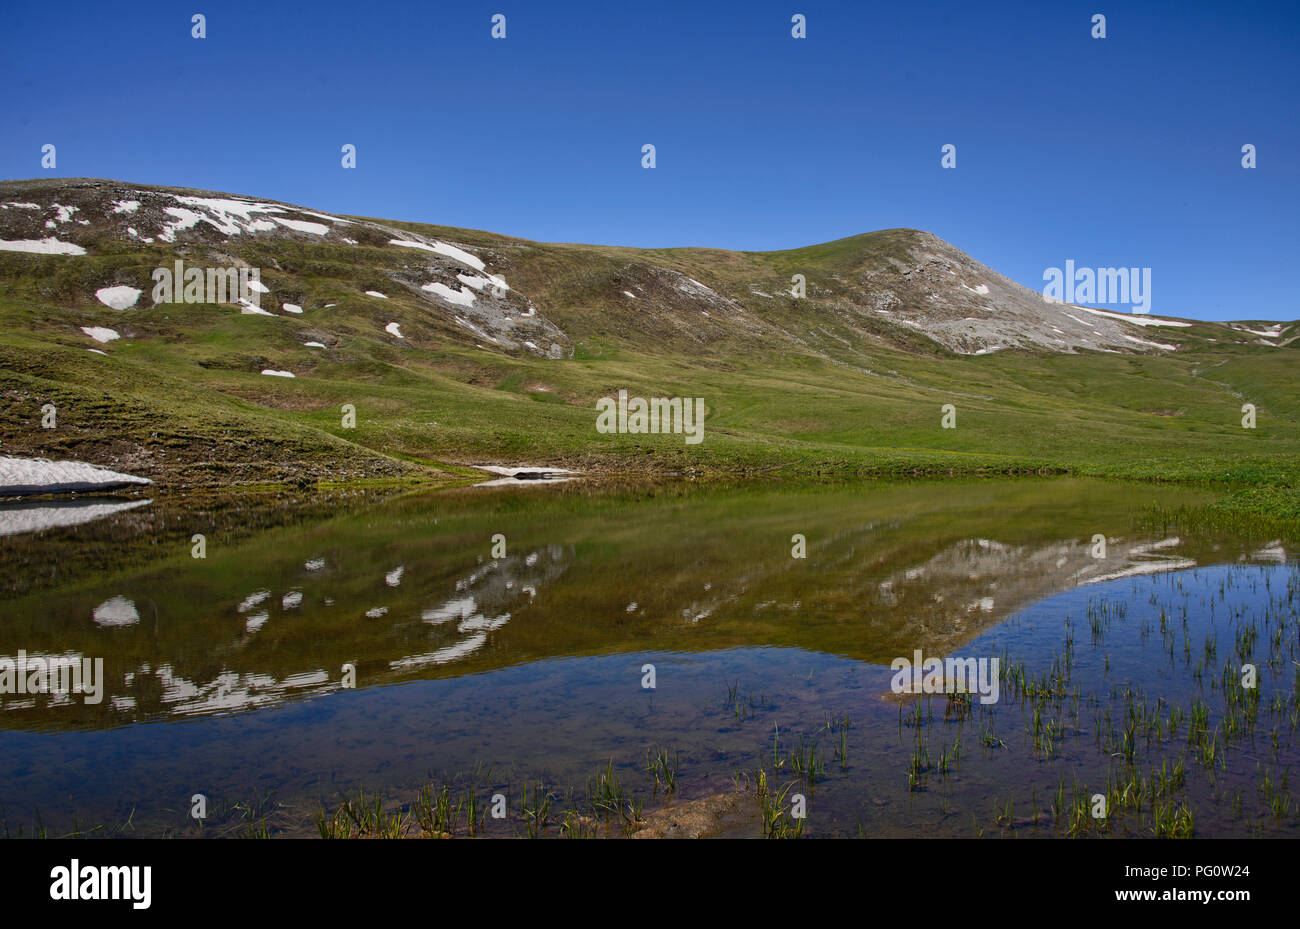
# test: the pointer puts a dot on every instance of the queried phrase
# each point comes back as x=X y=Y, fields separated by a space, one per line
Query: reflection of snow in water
x=980 y=579
x=118 y=611
x=442 y=655
x=479 y=622
x=476 y=612
x=484 y=600
x=481 y=606
x=42 y=662
x=1151 y=562
x=39 y=517
x=1273 y=551
x=461 y=608
x=232 y=690
x=1144 y=567
x=253 y=599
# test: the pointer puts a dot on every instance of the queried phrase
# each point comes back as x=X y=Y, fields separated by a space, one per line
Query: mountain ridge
x=867 y=285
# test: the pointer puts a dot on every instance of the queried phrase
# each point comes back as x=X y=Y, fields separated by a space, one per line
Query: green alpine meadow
x=854 y=379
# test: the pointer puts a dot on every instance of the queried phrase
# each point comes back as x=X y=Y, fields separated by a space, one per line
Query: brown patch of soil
x=726 y=815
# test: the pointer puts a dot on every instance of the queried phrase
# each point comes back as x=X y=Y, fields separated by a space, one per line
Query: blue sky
x=1123 y=151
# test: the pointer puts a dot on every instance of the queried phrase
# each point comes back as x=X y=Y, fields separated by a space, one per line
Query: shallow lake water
x=497 y=640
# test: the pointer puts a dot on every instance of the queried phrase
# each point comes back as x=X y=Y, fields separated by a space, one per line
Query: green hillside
x=795 y=386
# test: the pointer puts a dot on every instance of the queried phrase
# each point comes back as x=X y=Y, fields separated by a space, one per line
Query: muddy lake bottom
x=395 y=666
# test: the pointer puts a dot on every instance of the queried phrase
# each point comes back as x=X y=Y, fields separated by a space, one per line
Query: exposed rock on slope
x=972 y=309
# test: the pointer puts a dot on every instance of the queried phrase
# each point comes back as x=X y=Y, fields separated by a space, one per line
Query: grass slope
x=180 y=397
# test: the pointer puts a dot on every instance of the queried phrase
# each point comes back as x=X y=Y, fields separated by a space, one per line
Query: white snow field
x=462 y=297
x=447 y=251
x=49 y=246
x=118 y=298
x=101 y=334
x=25 y=476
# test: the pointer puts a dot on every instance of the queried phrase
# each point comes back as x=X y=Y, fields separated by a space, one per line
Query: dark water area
x=498 y=640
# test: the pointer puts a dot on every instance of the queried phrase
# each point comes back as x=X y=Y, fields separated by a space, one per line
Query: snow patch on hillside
x=1273 y=333
x=100 y=334
x=448 y=251
x=462 y=297
x=230 y=216
x=48 y=246
x=1137 y=319
x=495 y=281
x=118 y=298
x=1162 y=345
x=299 y=225
x=20 y=476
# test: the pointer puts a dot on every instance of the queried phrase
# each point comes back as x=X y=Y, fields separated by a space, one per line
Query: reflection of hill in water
x=407 y=589
x=458 y=626
x=977 y=583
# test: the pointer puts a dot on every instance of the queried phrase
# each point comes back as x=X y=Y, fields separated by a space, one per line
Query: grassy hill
x=848 y=380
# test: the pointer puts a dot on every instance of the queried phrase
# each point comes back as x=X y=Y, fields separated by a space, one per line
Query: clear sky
x=1123 y=151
